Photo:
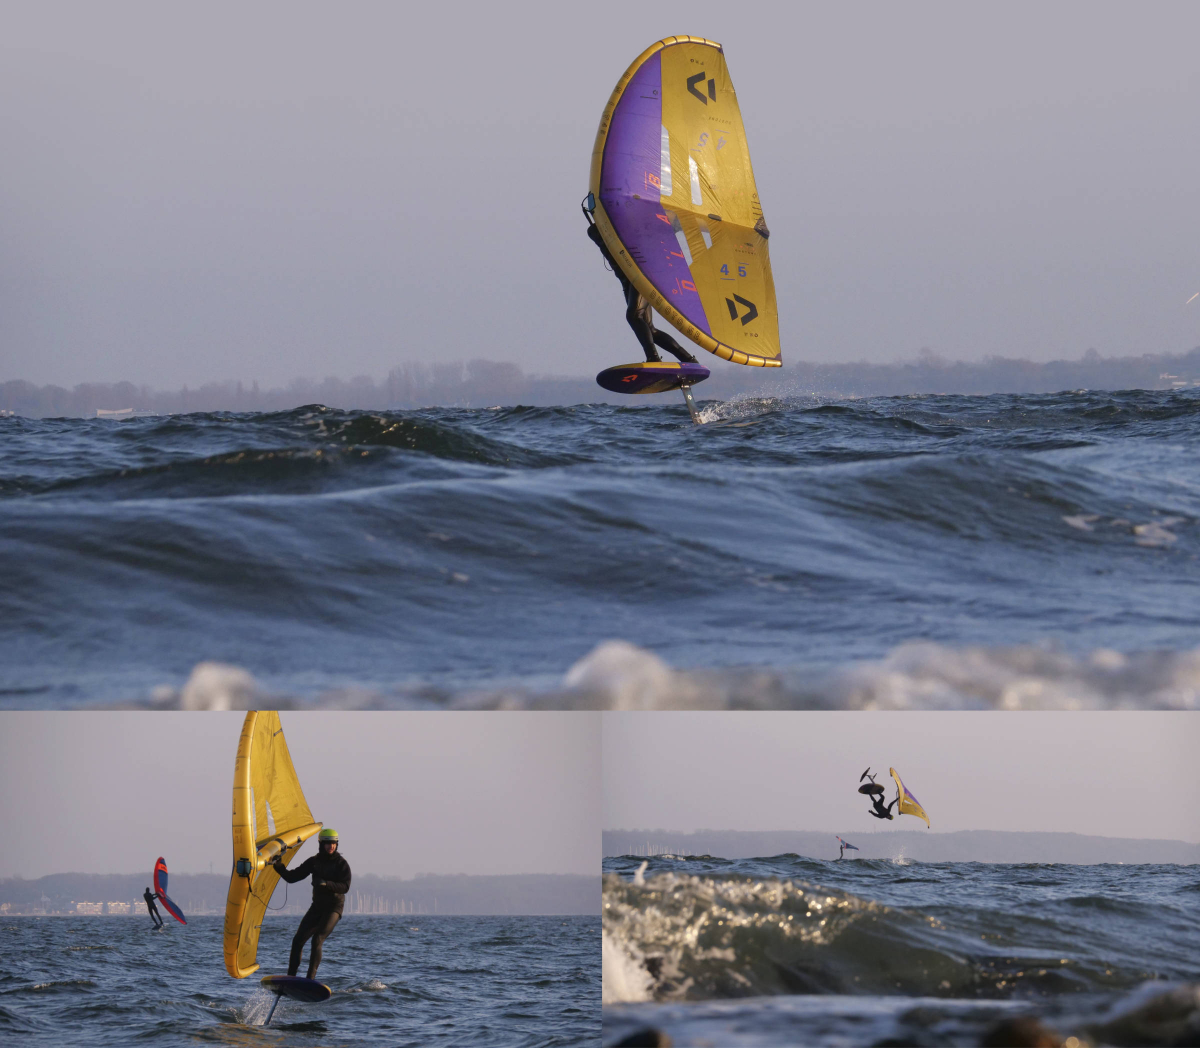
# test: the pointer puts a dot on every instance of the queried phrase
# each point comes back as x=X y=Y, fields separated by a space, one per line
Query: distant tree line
x=488 y=383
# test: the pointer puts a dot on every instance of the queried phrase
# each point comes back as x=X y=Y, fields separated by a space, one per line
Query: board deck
x=651 y=376
x=298 y=989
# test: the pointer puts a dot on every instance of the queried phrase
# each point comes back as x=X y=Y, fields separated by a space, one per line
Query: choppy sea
x=926 y=551
x=792 y=951
x=513 y=982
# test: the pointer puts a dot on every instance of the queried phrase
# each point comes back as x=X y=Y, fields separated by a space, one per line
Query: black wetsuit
x=638 y=312
x=153 y=910
x=880 y=811
x=329 y=898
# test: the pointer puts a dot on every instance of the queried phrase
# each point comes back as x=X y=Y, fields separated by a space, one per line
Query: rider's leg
x=665 y=341
x=635 y=313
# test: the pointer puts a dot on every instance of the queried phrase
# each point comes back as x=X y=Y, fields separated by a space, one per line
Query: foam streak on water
x=945 y=552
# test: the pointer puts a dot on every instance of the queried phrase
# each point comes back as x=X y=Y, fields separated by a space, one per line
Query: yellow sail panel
x=677 y=205
x=909 y=805
x=270 y=818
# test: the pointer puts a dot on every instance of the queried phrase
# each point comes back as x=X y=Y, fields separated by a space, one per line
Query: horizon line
x=927 y=832
x=214 y=873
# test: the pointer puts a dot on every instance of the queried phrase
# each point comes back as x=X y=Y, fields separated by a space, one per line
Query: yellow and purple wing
x=909 y=805
x=676 y=201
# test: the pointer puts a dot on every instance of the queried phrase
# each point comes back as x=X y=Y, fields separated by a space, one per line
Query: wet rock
x=645 y=1038
x=1025 y=1032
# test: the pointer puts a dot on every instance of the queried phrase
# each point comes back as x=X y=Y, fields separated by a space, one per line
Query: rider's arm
x=593 y=232
x=298 y=874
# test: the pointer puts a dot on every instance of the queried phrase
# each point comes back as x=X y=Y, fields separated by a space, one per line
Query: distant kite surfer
x=844 y=846
x=330 y=882
x=148 y=895
x=873 y=790
x=638 y=311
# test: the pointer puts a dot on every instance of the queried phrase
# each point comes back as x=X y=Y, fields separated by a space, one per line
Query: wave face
x=873 y=941
x=1001 y=551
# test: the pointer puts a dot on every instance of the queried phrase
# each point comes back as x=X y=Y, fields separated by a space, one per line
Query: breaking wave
x=964 y=932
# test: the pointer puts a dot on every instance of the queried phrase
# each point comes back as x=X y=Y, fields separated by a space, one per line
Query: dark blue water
x=532 y=982
x=889 y=552
x=788 y=950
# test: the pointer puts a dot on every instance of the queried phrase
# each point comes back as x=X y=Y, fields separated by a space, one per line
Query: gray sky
x=256 y=192
x=408 y=792
x=1113 y=774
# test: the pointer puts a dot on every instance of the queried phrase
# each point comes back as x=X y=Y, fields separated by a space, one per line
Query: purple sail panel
x=630 y=183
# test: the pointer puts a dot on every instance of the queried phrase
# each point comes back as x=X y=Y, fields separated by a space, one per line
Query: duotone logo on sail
x=751 y=309
x=692 y=81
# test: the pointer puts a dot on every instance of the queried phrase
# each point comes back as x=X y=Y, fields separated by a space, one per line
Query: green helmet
x=327 y=835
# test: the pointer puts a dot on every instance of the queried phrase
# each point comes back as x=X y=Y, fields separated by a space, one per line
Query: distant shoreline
x=990 y=846
x=290 y=915
x=485 y=383
x=201 y=894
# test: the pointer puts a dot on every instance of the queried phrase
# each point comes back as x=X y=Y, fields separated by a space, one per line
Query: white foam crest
x=1154 y=534
x=623 y=973
x=742 y=408
x=670 y=923
x=219 y=686
x=618 y=675
x=1022 y=677
x=921 y=675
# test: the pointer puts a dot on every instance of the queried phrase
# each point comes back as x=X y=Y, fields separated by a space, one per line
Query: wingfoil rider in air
x=148 y=895
x=875 y=792
x=330 y=882
x=879 y=810
x=638 y=311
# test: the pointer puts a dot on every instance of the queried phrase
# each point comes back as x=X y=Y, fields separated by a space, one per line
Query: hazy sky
x=1113 y=774
x=262 y=191
x=408 y=792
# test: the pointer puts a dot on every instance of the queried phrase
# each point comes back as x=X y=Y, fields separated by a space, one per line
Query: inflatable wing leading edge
x=270 y=818
x=909 y=805
x=676 y=203
x=160 y=889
